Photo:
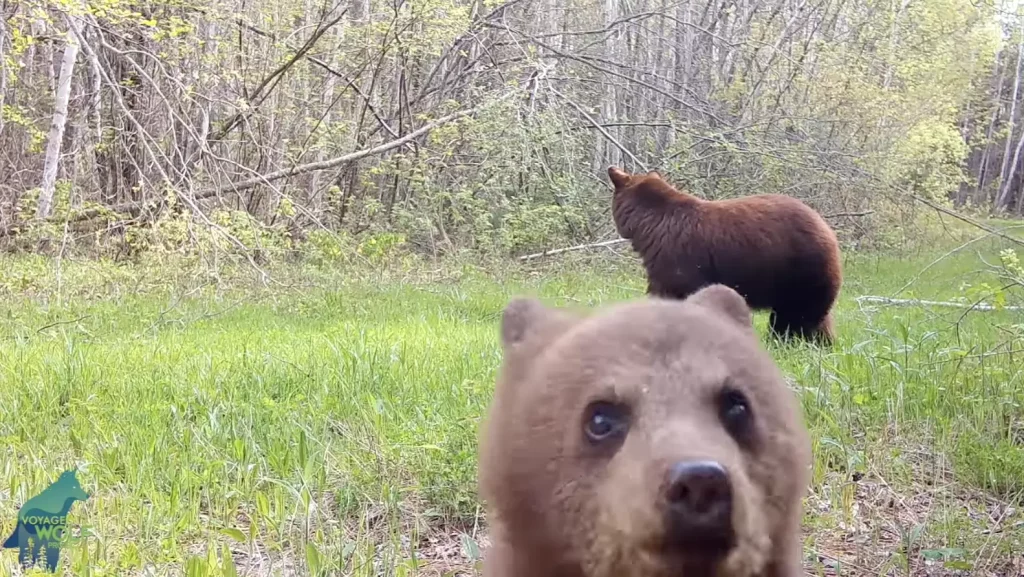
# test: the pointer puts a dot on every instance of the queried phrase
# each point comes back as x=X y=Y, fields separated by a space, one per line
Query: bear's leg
x=779 y=326
x=677 y=288
x=787 y=325
x=816 y=328
x=666 y=291
x=824 y=332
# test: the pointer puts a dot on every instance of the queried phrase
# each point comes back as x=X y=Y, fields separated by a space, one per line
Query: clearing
x=328 y=426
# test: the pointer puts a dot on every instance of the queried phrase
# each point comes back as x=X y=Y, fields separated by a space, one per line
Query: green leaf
x=263 y=505
x=470 y=546
x=312 y=559
x=235 y=534
x=303 y=451
x=229 y=563
x=942 y=552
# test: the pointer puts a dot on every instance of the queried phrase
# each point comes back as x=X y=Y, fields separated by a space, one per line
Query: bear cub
x=771 y=248
x=654 y=438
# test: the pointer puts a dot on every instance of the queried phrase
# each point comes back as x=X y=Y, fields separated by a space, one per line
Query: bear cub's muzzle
x=698 y=509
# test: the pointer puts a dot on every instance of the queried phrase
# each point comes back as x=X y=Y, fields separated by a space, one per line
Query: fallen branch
x=59 y=323
x=847 y=214
x=947 y=304
x=573 y=248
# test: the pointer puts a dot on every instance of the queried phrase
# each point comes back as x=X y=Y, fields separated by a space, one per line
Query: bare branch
x=600 y=128
x=573 y=248
x=969 y=221
x=847 y=214
x=331 y=163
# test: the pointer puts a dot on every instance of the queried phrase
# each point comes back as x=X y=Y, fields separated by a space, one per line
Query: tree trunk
x=986 y=155
x=60 y=119
x=1013 y=118
x=605 y=152
x=1020 y=200
x=3 y=71
x=1004 y=194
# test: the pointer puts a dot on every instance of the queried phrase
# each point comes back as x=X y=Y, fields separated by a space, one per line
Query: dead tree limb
x=573 y=248
x=920 y=302
x=257 y=96
x=847 y=214
x=600 y=128
x=969 y=220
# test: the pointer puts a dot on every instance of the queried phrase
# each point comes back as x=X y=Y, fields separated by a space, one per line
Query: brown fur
x=773 y=249
x=560 y=507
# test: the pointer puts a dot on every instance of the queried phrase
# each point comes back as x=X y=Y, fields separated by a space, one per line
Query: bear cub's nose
x=699 y=499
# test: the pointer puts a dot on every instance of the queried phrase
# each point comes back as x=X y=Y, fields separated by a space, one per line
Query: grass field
x=329 y=427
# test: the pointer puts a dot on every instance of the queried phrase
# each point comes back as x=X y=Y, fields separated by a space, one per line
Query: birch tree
x=1003 y=171
x=237 y=110
x=60 y=118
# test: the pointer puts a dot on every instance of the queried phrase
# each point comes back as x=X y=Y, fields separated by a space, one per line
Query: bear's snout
x=699 y=502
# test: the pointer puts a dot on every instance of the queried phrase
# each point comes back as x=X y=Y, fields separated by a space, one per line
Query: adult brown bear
x=773 y=249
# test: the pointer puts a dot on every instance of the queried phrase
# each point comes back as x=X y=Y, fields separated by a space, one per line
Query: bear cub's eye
x=604 y=421
x=734 y=410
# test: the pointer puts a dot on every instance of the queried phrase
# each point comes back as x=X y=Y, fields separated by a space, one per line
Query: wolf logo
x=43 y=519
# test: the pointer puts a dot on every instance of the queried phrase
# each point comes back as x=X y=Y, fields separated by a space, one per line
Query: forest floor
x=328 y=425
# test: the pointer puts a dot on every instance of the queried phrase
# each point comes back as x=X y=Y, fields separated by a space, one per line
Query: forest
x=453 y=125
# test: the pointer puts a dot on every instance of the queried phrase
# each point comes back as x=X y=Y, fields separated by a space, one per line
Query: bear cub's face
x=655 y=438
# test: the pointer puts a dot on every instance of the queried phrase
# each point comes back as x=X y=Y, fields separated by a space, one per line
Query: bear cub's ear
x=526 y=317
x=620 y=178
x=724 y=300
x=518 y=318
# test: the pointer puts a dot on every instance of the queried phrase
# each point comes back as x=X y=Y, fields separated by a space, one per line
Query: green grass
x=332 y=426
